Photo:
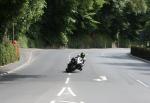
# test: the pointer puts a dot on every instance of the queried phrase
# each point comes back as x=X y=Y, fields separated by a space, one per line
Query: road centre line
x=142 y=83
x=67 y=80
x=69 y=89
x=62 y=90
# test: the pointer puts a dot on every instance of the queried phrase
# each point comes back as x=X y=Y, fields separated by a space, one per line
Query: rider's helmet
x=82 y=55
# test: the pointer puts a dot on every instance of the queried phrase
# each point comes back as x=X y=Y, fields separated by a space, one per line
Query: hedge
x=141 y=52
x=8 y=53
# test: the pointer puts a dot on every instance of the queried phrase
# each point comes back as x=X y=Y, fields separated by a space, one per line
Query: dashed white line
x=142 y=83
x=62 y=90
x=67 y=80
x=72 y=93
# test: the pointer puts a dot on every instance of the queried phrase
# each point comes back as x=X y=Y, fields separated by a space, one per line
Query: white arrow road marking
x=101 y=78
x=67 y=80
x=142 y=83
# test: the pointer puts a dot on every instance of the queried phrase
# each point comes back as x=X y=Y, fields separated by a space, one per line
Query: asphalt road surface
x=109 y=76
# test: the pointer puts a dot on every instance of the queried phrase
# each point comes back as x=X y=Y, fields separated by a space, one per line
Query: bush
x=141 y=52
x=64 y=39
x=23 y=41
x=8 y=53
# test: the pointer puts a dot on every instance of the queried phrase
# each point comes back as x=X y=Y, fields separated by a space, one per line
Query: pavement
x=25 y=56
x=109 y=76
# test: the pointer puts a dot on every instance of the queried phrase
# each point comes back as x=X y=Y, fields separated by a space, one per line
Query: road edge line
x=23 y=65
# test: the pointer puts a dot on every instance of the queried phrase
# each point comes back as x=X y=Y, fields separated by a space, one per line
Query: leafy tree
x=31 y=12
x=122 y=18
x=9 y=10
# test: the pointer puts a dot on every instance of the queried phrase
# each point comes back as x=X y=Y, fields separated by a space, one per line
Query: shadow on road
x=145 y=73
x=71 y=72
x=12 y=77
x=129 y=64
x=115 y=57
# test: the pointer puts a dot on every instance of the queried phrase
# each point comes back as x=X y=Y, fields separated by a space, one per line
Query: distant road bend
x=109 y=76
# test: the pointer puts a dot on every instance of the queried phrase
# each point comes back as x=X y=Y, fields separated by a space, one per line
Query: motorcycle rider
x=80 y=61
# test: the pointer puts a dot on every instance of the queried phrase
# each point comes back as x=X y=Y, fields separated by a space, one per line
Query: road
x=109 y=76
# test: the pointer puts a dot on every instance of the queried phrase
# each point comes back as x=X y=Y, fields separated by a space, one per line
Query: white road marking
x=52 y=101
x=71 y=92
x=60 y=93
x=81 y=102
x=69 y=89
x=67 y=80
x=29 y=60
x=67 y=102
x=69 y=73
x=30 y=57
x=101 y=78
x=142 y=83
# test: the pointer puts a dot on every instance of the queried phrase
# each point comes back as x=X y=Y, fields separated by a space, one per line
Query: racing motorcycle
x=74 y=65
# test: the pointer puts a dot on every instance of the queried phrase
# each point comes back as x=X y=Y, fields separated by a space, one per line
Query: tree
x=68 y=17
x=31 y=12
x=122 y=18
x=9 y=10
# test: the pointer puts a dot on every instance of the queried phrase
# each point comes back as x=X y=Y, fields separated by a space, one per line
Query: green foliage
x=31 y=12
x=64 y=39
x=122 y=18
x=23 y=41
x=56 y=23
x=7 y=53
x=138 y=6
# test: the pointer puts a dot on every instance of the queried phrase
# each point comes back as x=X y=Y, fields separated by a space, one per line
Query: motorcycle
x=74 y=65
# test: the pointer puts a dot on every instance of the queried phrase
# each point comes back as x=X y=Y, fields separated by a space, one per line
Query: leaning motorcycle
x=73 y=65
